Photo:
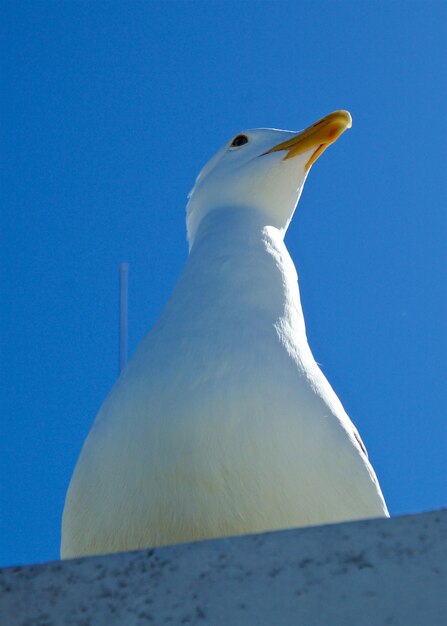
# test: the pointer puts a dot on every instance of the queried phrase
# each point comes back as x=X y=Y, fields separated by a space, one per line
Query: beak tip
x=346 y=116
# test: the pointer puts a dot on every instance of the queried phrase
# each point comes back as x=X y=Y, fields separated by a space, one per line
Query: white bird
x=222 y=423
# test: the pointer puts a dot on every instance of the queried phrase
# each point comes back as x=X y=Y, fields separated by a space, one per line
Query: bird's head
x=263 y=169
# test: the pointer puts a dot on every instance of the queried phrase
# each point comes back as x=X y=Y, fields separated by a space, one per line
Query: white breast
x=222 y=422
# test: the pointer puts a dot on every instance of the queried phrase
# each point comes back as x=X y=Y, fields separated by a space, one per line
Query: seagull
x=222 y=423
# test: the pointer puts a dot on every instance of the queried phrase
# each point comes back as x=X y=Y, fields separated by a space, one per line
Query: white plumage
x=222 y=423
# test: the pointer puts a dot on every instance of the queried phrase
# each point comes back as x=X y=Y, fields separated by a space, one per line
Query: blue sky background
x=110 y=109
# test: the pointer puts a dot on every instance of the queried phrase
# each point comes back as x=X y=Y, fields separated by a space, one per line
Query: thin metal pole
x=124 y=280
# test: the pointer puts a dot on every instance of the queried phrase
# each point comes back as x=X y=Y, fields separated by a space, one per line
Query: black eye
x=239 y=141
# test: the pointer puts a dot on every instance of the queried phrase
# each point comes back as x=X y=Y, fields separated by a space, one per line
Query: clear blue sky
x=110 y=110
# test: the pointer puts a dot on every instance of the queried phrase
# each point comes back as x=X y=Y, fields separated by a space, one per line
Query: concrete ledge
x=376 y=572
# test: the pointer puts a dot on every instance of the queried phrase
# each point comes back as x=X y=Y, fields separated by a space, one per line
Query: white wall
x=379 y=572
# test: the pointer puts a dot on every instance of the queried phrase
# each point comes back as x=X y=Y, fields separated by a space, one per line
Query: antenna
x=124 y=280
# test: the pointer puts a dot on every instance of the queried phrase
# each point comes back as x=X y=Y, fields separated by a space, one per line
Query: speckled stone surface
x=378 y=572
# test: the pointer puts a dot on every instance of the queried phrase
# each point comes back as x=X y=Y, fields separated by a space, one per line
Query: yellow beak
x=319 y=136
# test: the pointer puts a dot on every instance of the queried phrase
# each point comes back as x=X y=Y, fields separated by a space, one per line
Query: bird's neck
x=232 y=230
x=241 y=264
